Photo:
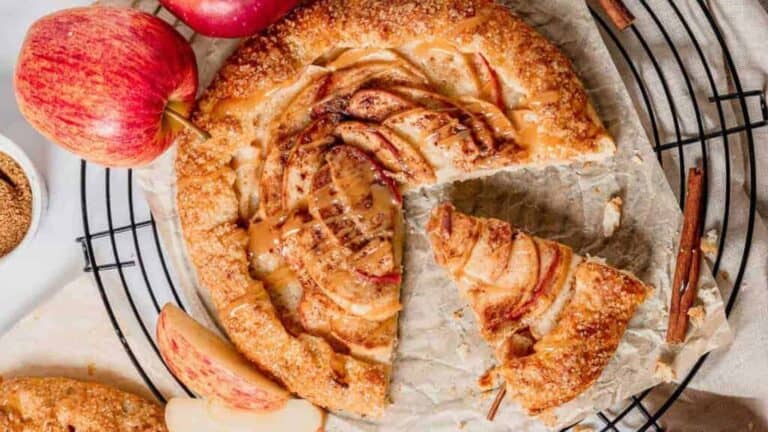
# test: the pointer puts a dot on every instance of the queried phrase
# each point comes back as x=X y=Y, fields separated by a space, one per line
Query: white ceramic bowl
x=39 y=192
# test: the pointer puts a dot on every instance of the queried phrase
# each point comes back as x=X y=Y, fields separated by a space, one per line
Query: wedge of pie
x=292 y=211
x=554 y=318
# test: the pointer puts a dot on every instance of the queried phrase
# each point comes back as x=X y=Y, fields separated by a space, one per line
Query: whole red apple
x=229 y=18
x=108 y=84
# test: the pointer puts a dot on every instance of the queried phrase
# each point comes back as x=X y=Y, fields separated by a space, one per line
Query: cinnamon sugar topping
x=15 y=204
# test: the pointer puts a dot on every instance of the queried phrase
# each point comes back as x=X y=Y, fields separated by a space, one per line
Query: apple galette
x=292 y=211
x=554 y=318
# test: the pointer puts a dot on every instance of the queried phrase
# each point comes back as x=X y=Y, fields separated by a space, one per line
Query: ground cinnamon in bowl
x=15 y=204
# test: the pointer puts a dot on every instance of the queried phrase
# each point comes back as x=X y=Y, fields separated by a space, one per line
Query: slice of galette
x=554 y=318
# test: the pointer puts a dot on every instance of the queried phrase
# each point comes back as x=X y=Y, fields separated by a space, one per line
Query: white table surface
x=52 y=258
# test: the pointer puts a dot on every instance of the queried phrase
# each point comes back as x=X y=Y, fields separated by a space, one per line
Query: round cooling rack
x=120 y=235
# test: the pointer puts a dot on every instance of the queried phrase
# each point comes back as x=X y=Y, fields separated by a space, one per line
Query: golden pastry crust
x=65 y=405
x=420 y=128
x=568 y=360
x=580 y=333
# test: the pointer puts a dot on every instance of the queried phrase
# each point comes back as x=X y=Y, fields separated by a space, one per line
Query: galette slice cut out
x=554 y=318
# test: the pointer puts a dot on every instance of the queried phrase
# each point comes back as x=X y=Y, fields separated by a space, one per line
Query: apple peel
x=211 y=367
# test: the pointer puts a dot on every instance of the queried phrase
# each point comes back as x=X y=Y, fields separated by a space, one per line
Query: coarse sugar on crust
x=66 y=405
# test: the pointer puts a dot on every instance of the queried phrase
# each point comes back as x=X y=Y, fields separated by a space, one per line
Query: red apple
x=111 y=85
x=229 y=18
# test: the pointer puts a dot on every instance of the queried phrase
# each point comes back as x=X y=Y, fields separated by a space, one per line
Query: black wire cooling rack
x=120 y=235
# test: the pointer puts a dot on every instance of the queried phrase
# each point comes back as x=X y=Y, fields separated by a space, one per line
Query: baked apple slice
x=211 y=367
x=509 y=277
x=481 y=132
x=394 y=153
x=301 y=165
x=371 y=340
x=376 y=105
x=503 y=129
x=348 y=248
x=489 y=87
x=296 y=114
x=442 y=139
x=346 y=81
x=447 y=67
x=273 y=178
x=329 y=266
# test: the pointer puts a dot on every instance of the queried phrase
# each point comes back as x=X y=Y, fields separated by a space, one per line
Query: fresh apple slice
x=229 y=18
x=112 y=85
x=200 y=415
x=211 y=367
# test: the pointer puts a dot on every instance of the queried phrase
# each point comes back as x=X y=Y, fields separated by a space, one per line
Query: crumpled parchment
x=441 y=354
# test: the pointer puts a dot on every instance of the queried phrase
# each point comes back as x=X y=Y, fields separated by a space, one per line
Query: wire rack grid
x=130 y=245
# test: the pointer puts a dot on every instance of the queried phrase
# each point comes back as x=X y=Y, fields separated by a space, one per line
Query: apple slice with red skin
x=211 y=367
x=346 y=159
x=376 y=105
x=546 y=279
x=389 y=278
x=393 y=152
x=488 y=80
x=325 y=262
x=346 y=81
x=481 y=131
x=229 y=18
x=363 y=338
x=112 y=85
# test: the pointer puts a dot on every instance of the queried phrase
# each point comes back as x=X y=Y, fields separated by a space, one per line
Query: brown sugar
x=15 y=204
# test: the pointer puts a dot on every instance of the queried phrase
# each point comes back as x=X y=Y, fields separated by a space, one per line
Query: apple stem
x=204 y=135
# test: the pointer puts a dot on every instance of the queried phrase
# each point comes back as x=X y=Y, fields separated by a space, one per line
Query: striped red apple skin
x=229 y=18
x=97 y=81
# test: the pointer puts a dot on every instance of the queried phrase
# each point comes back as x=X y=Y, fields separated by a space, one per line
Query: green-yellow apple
x=111 y=85
x=229 y=18
x=211 y=367
x=200 y=415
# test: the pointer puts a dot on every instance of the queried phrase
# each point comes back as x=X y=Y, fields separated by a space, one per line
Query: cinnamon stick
x=688 y=262
x=618 y=12
x=496 y=402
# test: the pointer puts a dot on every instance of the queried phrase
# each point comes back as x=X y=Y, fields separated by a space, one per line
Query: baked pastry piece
x=292 y=211
x=554 y=318
x=66 y=405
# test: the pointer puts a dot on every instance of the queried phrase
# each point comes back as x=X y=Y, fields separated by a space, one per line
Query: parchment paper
x=441 y=354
